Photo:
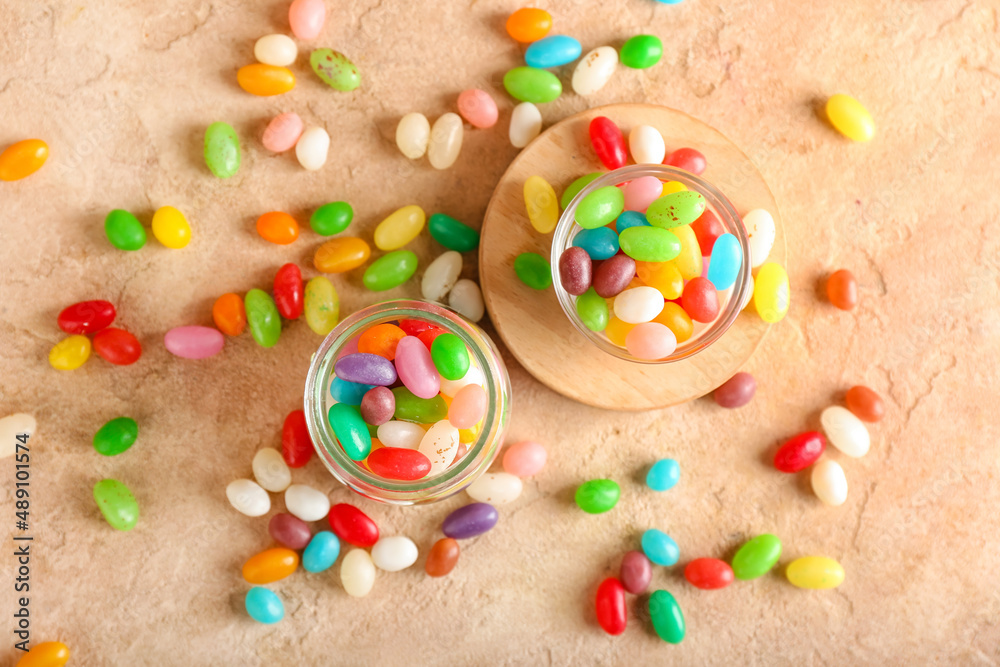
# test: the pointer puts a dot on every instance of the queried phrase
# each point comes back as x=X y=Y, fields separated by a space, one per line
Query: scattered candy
x=829 y=483
x=321 y=553
x=390 y=270
x=12 y=426
x=641 y=51
x=527 y=84
x=529 y=24
x=392 y=554
x=466 y=299
x=265 y=80
x=357 y=573
x=248 y=498
x=478 y=108
x=117 y=346
x=597 y=496
x=842 y=289
x=312 y=147
x=647 y=147
x=815 y=572
x=341 y=255
x=665 y=613
x=222 y=150
x=552 y=51
x=22 y=159
x=335 y=69
x=525 y=124
x=496 y=488
x=524 y=459
x=352 y=525
x=800 y=452
x=399 y=228
x=277 y=50
x=594 y=70
x=850 y=118
x=332 y=218
x=708 y=573
x=659 y=547
x=307 y=18
x=865 y=404
x=470 y=521
x=610 y=606
x=270 y=565
x=693 y=161
x=124 y=230
x=756 y=557
x=117 y=504
x=194 y=342
x=306 y=502
x=262 y=317
x=771 y=293
x=445 y=141
x=663 y=475
x=86 y=317
x=413 y=133
x=171 y=228
x=69 y=353
x=289 y=531
x=636 y=572
x=736 y=392
x=282 y=133
x=296 y=445
x=761 y=232
x=116 y=436
x=278 y=227
x=533 y=270
x=288 y=291
x=264 y=606
x=440 y=276
x=443 y=557
x=845 y=431
x=452 y=234
x=271 y=471
x=46 y=654
x=321 y=305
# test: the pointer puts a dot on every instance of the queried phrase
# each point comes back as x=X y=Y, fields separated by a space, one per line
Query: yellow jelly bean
x=468 y=435
x=265 y=80
x=850 y=118
x=771 y=292
x=688 y=262
x=171 y=228
x=670 y=187
x=616 y=331
x=400 y=227
x=542 y=204
x=815 y=572
x=322 y=305
x=677 y=320
x=664 y=276
x=341 y=254
x=23 y=159
x=46 y=654
x=69 y=353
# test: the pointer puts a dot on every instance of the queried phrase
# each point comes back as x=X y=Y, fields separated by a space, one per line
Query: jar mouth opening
x=566 y=229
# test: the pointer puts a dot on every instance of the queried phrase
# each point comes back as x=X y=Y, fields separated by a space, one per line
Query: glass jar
x=481 y=452
x=732 y=300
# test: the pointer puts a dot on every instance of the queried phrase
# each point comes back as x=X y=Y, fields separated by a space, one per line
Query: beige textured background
x=123 y=91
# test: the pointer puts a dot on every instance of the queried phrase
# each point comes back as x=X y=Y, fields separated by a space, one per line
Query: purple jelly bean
x=470 y=520
x=365 y=368
x=636 y=572
x=416 y=368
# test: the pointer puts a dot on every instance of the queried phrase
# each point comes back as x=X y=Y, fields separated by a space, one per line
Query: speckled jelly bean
x=829 y=483
x=282 y=133
x=600 y=207
x=552 y=51
x=289 y=531
x=116 y=436
x=441 y=275
x=800 y=452
x=666 y=616
x=533 y=270
x=117 y=504
x=353 y=526
x=22 y=159
x=576 y=186
x=649 y=244
x=467 y=299
x=756 y=557
x=341 y=255
x=124 y=230
x=815 y=572
x=452 y=234
x=663 y=475
x=528 y=84
x=70 y=353
x=708 y=573
x=675 y=210
x=312 y=148
x=445 y=141
x=659 y=547
x=529 y=24
x=641 y=51
x=842 y=289
x=439 y=444
x=247 y=497
x=45 y=654
x=636 y=572
x=389 y=271
x=737 y=391
x=443 y=557
x=597 y=495
x=761 y=233
x=264 y=606
x=321 y=305
x=470 y=521
x=609 y=606
x=525 y=124
x=321 y=552
x=865 y=404
x=727 y=258
x=262 y=317
x=222 y=150
x=477 y=108
x=392 y=554
x=594 y=70
x=306 y=502
x=117 y=346
x=350 y=430
x=296 y=444
x=541 y=203
x=270 y=565
x=171 y=228
x=850 y=118
x=335 y=69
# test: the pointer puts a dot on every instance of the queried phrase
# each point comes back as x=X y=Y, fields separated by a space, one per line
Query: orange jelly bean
x=23 y=159
x=677 y=320
x=278 y=227
x=842 y=289
x=229 y=314
x=529 y=24
x=341 y=254
x=265 y=80
x=617 y=330
x=382 y=340
x=270 y=565
x=46 y=654
x=443 y=557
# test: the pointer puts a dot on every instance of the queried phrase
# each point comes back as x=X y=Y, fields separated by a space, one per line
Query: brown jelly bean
x=736 y=391
x=575 y=270
x=443 y=557
x=842 y=289
x=865 y=404
x=378 y=405
x=614 y=275
x=289 y=530
x=636 y=572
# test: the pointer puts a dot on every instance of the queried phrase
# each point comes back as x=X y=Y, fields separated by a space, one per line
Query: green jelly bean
x=116 y=436
x=335 y=69
x=600 y=207
x=222 y=150
x=674 y=210
x=409 y=408
x=124 y=230
x=452 y=234
x=451 y=356
x=332 y=218
x=351 y=430
x=756 y=557
x=390 y=270
x=593 y=310
x=116 y=503
x=574 y=188
x=528 y=84
x=597 y=495
x=641 y=51
x=262 y=317
x=649 y=244
x=322 y=305
x=665 y=613
x=533 y=270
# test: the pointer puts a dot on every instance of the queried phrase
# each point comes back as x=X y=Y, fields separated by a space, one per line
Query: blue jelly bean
x=631 y=219
x=724 y=266
x=552 y=51
x=264 y=606
x=660 y=547
x=321 y=552
x=600 y=243
x=663 y=475
x=348 y=392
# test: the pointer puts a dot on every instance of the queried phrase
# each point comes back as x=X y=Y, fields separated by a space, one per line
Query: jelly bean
x=443 y=557
x=439 y=445
x=69 y=353
x=525 y=458
x=597 y=496
x=541 y=204
x=413 y=133
x=528 y=84
x=639 y=194
x=288 y=291
x=390 y=270
x=576 y=186
x=452 y=234
x=381 y=339
x=496 y=488
x=829 y=483
x=377 y=406
x=278 y=227
x=815 y=572
x=641 y=51
x=736 y=391
x=707 y=230
x=600 y=243
x=307 y=18
x=116 y=436
x=248 y=498
x=322 y=305
x=525 y=124
x=674 y=210
x=529 y=24
x=222 y=150
x=470 y=521
x=666 y=616
x=306 y=502
x=663 y=475
x=850 y=118
x=445 y=141
x=659 y=547
x=117 y=346
x=86 y=317
x=392 y=554
x=842 y=289
x=450 y=356
x=350 y=430
x=265 y=80
x=592 y=310
x=321 y=553
x=171 y=228
x=689 y=260
x=194 y=342
x=575 y=270
x=630 y=219
x=533 y=270
x=296 y=445
x=662 y=276
x=845 y=431
x=552 y=51
x=650 y=341
x=865 y=404
x=608 y=143
x=357 y=573
x=600 y=207
x=277 y=50
x=46 y=654
x=124 y=230
x=332 y=218
x=618 y=331
x=677 y=320
x=756 y=557
x=13 y=426
x=400 y=434
x=687 y=159
x=800 y=452
x=22 y=159
x=419 y=410
x=335 y=69
x=283 y=132
x=117 y=504
x=478 y=108
x=614 y=275
x=700 y=300
x=639 y=304
x=399 y=463
x=727 y=258
x=416 y=368
x=610 y=606
x=649 y=244
x=771 y=293
x=708 y=573
x=289 y=531
x=341 y=255
x=646 y=145
x=472 y=376
x=441 y=275
x=467 y=300
x=270 y=565
x=263 y=317
x=636 y=572
x=270 y=470
x=353 y=526
x=264 y=606
x=761 y=232
x=594 y=70
x=312 y=148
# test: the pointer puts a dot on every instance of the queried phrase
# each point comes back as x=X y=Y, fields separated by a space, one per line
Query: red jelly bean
x=800 y=452
x=865 y=404
x=415 y=327
x=427 y=337
x=700 y=300
x=352 y=525
x=687 y=159
x=86 y=317
x=608 y=142
x=289 y=530
x=117 y=346
x=399 y=463
x=707 y=229
x=708 y=573
x=610 y=606
x=296 y=445
x=288 y=291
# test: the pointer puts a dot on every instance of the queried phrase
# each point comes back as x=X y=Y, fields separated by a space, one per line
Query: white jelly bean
x=306 y=502
x=441 y=275
x=829 y=482
x=446 y=141
x=594 y=70
x=248 y=497
x=495 y=488
x=412 y=135
x=646 y=145
x=525 y=124
x=312 y=148
x=760 y=231
x=845 y=431
x=12 y=426
x=439 y=445
x=472 y=376
x=270 y=470
x=357 y=573
x=277 y=50
x=466 y=299
x=638 y=305
x=400 y=434
x=392 y=554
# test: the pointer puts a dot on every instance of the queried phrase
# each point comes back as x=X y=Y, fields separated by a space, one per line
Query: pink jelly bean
x=307 y=18
x=350 y=347
x=283 y=132
x=477 y=107
x=460 y=451
x=194 y=342
x=468 y=406
x=416 y=368
x=524 y=459
x=650 y=340
x=641 y=192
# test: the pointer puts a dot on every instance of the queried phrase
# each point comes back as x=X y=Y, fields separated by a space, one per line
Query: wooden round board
x=532 y=324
